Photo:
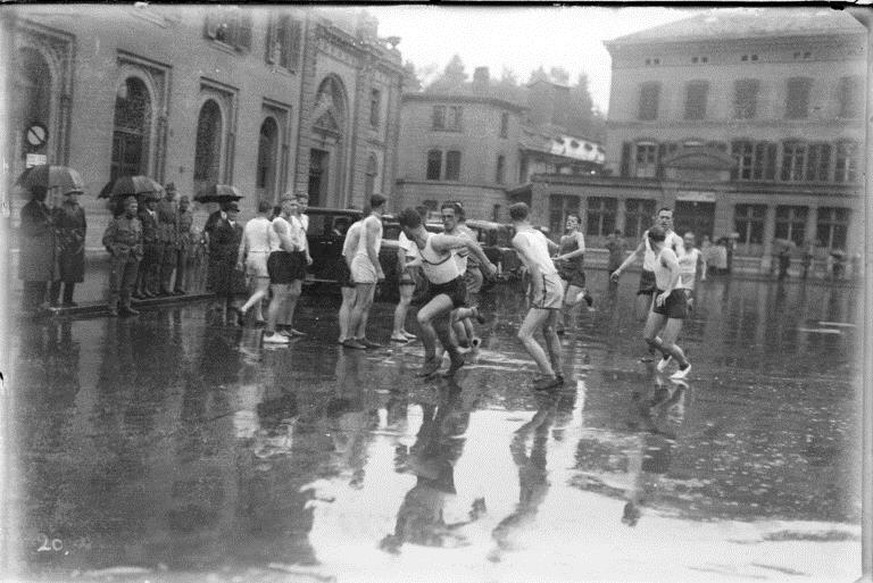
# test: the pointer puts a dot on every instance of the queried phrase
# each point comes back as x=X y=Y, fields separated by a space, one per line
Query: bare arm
x=671 y=262
x=638 y=252
x=243 y=250
x=287 y=241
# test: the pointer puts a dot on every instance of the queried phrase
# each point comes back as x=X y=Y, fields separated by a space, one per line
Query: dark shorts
x=574 y=277
x=344 y=276
x=647 y=283
x=676 y=305
x=285 y=267
x=455 y=289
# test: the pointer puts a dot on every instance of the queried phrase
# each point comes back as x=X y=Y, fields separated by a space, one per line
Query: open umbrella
x=219 y=193
x=50 y=176
x=131 y=185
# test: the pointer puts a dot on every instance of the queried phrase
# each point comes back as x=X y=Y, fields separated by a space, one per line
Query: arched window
x=372 y=173
x=500 y=176
x=265 y=179
x=207 y=155
x=132 y=129
x=34 y=85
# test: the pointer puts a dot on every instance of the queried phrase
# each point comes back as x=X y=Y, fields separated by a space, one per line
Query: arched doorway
x=132 y=129
x=207 y=153
x=265 y=180
x=326 y=159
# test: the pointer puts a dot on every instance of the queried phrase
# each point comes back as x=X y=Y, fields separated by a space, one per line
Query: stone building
x=746 y=121
x=266 y=99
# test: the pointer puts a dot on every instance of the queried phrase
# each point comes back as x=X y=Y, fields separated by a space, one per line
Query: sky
x=520 y=38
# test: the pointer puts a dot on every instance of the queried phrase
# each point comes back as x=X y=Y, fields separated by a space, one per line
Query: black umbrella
x=49 y=176
x=131 y=186
x=219 y=193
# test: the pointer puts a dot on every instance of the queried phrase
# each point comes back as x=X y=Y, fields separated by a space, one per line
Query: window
x=793 y=161
x=749 y=223
x=265 y=178
x=231 y=26
x=504 y=125
x=207 y=155
x=818 y=162
x=797 y=104
x=638 y=216
x=846 y=169
x=742 y=152
x=561 y=205
x=447 y=118
x=832 y=227
x=624 y=167
x=647 y=159
x=439 y=117
x=791 y=223
x=649 y=94
x=764 y=165
x=849 y=94
x=375 y=107
x=695 y=99
x=453 y=165
x=370 y=179
x=284 y=38
x=601 y=216
x=523 y=168
x=132 y=129
x=746 y=98
x=500 y=176
x=434 y=164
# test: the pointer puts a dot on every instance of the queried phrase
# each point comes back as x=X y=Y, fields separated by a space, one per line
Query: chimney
x=481 y=79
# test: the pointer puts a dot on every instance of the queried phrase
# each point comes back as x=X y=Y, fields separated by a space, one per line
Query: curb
x=93 y=309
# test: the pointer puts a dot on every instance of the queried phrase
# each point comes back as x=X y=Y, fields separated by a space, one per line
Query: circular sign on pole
x=36 y=135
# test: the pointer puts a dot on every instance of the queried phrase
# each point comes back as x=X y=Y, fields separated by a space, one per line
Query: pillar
x=769 y=233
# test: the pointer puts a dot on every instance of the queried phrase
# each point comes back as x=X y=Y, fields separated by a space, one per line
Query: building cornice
x=456 y=98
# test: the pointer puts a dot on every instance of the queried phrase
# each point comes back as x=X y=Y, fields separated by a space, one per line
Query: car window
x=317 y=224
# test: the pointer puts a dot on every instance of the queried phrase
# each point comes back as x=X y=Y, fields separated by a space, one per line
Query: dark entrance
x=318 y=175
x=697 y=217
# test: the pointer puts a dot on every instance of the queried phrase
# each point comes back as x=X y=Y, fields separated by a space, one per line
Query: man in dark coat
x=70 y=227
x=168 y=234
x=147 y=276
x=37 y=260
x=123 y=240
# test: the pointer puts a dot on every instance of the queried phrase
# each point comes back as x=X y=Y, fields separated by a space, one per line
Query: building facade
x=744 y=121
x=268 y=100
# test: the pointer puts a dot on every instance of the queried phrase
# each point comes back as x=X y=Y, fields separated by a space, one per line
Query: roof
x=464 y=98
x=744 y=23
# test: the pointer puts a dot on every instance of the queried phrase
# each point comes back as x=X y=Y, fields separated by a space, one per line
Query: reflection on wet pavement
x=174 y=447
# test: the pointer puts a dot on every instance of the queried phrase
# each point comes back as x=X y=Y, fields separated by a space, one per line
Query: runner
x=366 y=273
x=283 y=267
x=570 y=267
x=252 y=259
x=446 y=289
x=688 y=264
x=546 y=297
x=670 y=306
x=347 y=286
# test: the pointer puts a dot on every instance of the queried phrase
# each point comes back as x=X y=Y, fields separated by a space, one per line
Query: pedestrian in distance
x=690 y=264
x=664 y=219
x=284 y=267
x=168 y=233
x=123 y=240
x=366 y=270
x=186 y=242
x=669 y=308
x=807 y=257
x=71 y=226
x=617 y=247
x=147 y=274
x=570 y=263
x=706 y=253
x=252 y=259
x=446 y=289
x=546 y=298
x=37 y=261
x=225 y=281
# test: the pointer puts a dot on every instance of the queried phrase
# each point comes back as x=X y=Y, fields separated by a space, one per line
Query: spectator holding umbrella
x=70 y=225
x=147 y=276
x=224 y=280
x=168 y=233
x=37 y=261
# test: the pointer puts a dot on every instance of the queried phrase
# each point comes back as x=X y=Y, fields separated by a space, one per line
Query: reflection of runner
x=670 y=306
x=547 y=294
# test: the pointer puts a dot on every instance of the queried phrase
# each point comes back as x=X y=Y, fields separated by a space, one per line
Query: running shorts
x=256 y=264
x=647 y=283
x=363 y=270
x=547 y=292
x=676 y=305
x=573 y=276
x=283 y=267
x=455 y=289
x=344 y=276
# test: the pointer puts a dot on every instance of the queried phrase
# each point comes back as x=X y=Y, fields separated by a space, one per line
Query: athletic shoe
x=352 y=343
x=295 y=332
x=430 y=366
x=400 y=339
x=276 y=338
x=662 y=364
x=545 y=382
x=410 y=336
x=127 y=311
x=681 y=373
x=369 y=343
x=475 y=343
x=113 y=313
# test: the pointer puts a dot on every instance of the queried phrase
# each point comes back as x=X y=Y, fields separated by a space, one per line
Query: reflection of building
x=742 y=120
x=266 y=99
x=477 y=141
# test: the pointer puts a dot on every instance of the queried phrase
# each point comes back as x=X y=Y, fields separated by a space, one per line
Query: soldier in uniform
x=123 y=240
x=168 y=233
x=148 y=270
x=185 y=240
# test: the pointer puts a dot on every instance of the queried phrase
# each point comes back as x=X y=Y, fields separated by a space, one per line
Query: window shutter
x=770 y=168
x=625 y=159
x=662 y=153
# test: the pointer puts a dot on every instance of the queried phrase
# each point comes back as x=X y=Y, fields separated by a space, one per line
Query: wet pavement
x=167 y=448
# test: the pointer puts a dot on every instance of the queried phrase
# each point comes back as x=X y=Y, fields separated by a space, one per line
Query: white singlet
x=539 y=259
x=438 y=268
x=662 y=272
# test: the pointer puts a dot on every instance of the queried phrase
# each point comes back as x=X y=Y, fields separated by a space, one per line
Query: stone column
x=769 y=232
x=620 y=215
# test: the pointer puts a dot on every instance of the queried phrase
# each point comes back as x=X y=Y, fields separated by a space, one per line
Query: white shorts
x=363 y=270
x=547 y=292
x=256 y=265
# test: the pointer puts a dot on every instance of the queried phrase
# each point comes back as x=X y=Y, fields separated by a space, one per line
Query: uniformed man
x=123 y=240
x=185 y=241
x=168 y=233
x=147 y=275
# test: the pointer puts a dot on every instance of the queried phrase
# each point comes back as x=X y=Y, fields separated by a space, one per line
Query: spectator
x=807 y=257
x=167 y=235
x=617 y=247
x=252 y=258
x=186 y=240
x=70 y=225
x=223 y=279
x=706 y=255
x=123 y=240
x=147 y=274
x=37 y=260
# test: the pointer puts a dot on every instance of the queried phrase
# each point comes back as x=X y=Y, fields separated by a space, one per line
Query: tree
x=411 y=83
x=453 y=77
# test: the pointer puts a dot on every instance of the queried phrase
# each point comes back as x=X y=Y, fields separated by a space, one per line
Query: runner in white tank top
x=366 y=271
